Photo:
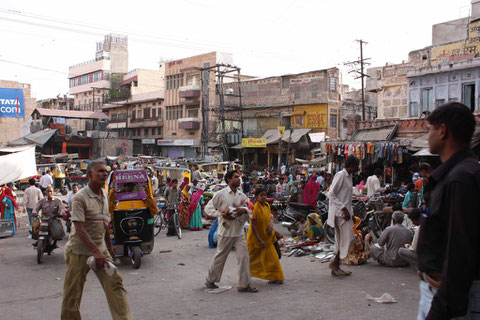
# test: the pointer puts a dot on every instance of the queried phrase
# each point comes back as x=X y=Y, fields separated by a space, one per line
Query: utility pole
x=279 y=162
x=360 y=74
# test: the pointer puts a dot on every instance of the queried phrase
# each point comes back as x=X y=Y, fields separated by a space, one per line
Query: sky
x=41 y=39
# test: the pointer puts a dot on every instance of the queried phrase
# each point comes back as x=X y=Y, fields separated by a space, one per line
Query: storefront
x=174 y=149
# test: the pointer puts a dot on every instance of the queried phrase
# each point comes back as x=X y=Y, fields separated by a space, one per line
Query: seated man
x=296 y=230
x=392 y=239
x=409 y=252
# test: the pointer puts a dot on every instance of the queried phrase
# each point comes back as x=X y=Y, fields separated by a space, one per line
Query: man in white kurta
x=373 y=183
x=230 y=232
x=340 y=213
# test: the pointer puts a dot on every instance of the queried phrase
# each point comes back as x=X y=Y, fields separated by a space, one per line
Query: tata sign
x=11 y=103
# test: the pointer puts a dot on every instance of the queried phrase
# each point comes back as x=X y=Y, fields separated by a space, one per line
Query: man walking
x=230 y=232
x=89 y=237
x=30 y=199
x=46 y=181
x=172 y=198
x=340 y=213
x=449 y=240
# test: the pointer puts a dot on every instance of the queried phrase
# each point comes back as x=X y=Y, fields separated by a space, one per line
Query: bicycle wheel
x=176 y=222
x=157 y=224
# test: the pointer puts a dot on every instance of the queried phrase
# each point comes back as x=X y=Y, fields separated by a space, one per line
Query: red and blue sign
x=11 y=103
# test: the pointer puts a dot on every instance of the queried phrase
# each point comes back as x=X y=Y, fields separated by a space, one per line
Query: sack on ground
x=35 y=228
x=56 y=230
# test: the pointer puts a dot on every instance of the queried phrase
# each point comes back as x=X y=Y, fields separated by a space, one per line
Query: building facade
x=14 y=128
x=91 y=82
x=447 y=70
x=138 y=120
x=302 y=103
x=183 y=121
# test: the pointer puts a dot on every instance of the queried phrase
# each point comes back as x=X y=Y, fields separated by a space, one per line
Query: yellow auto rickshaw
x=132 y=207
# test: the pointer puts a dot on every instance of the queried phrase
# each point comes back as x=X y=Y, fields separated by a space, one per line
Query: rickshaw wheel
x=136 y=256
x=178 y=227
x=40 y=247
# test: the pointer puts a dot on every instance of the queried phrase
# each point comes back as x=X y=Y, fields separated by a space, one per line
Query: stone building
x=14 y=128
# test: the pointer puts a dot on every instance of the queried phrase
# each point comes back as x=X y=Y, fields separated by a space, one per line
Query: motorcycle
x=47 y=241
x=67 y=217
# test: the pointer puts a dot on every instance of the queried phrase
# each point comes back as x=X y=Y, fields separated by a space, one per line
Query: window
x=139 y=132
x=468 y=96
x=154 y=113
x=413 y=109
x=113 y=117
x=145 y=131
x=174 y=133
x=192 y=113
x=154 y=131
x=134 y=113
x=439 y=102
x=160 y=115
x=146 y=113
x=333 y=84
x=333 y=121
x=160 y=130
x=297 y=92
x=427 y=99
x=191 y=133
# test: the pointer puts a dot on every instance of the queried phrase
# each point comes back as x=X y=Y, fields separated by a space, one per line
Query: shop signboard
x=254 y=142
x=11 y=103
x=148 y=141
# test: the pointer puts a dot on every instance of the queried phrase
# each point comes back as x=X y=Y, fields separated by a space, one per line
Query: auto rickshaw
x=59 y=178
x=132 y=208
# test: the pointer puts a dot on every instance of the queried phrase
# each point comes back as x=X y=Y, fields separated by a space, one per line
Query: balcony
x=141 y=122
x=189 y=123
x=192 y=91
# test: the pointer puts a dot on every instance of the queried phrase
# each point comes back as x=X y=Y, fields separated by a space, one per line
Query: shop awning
x=38 y=138
x=375 y=134
x=424 y=152
x=418 y=143
x=272 y=135
x=177 y=143
x=316 y=161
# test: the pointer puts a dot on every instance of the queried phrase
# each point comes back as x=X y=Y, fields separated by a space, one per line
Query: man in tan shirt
x=230 y=232
x=89 y=237
x=30 y=199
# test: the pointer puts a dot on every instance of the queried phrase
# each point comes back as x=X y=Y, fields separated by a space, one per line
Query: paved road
x=169 y=286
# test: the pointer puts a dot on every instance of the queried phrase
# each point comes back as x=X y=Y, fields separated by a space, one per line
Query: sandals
x=247 y=289
x=340 y=273
x=210 y=285
x=275 y=282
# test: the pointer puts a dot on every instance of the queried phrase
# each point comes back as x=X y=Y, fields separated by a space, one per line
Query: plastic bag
x=56 y=230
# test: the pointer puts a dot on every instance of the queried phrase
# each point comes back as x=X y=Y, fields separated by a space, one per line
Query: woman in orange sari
x=183 y=207
x=264 y=260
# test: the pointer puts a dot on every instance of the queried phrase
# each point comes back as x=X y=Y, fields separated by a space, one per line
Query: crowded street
x=160 y=162
x=169 y=285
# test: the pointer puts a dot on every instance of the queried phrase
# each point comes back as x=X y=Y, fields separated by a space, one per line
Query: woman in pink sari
x=311 y=192
x=195 y=210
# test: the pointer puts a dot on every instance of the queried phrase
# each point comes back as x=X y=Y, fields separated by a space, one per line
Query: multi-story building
x=302 y=103
x=94 y=82
x=13 y=127
x=448 y=70
x=183 y=102
x=139 y=120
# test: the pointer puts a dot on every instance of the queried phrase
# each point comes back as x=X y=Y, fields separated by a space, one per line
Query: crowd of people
x=435 y=228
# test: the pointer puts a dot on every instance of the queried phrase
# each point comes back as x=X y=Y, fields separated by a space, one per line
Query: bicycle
x=159 y=221
x=163 y=222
